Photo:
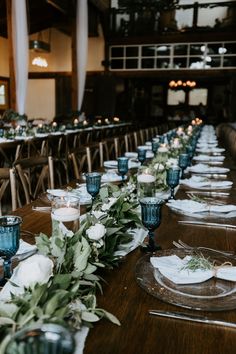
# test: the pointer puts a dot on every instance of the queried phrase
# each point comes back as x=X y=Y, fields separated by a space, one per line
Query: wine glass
x=183 y=163
x=151 y=219
x=172 y=179
x=47 y=338
x=155 y=146
x=142 y=155
x=93 y=184
x=123 y=166
x=9 y=240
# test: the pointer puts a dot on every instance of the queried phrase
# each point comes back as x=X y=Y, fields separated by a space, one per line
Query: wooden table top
x=139 y=332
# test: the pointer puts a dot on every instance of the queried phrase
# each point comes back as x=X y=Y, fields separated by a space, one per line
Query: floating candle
x=146 y=178
x=65 y=214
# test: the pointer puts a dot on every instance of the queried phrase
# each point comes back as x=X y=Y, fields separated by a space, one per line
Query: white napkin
x=218 y=158
x=202 y=168
x=172 y=268
x=190 y=207
x=201 y=182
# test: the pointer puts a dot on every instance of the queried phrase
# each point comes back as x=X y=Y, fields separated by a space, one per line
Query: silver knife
x=192 y=318
x=216 y=194
x=203 y=223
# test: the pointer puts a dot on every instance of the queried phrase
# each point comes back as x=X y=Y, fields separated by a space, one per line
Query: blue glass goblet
x=123 y=166
x=172 y=179
x=162 y=139
x=47 y=339
x=9 y=240
x=155 y=146
x=93 y=184
x=142 y=155
x=151 y=219
x=183 y=163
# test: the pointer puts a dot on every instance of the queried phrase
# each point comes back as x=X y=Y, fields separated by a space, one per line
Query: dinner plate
x=212 y=295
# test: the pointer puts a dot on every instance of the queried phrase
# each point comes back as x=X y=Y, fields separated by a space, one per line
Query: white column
x=81 y=47
x=21 y=51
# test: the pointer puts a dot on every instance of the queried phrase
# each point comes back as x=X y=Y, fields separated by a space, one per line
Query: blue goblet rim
x=93 y=174
x=174 y=168
x=10 y=220
x=122 y=158
x=151 y=201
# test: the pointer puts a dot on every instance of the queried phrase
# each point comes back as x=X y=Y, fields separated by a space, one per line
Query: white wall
x=40 y=102
x=41 y=93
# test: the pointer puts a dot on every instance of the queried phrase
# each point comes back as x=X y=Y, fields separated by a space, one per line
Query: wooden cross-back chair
x=10 y=152
x=7 y=190
x=35 y=175
x=109 y=149
x=86 y=159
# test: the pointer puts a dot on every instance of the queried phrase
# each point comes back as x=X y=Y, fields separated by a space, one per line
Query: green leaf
x=89 y=316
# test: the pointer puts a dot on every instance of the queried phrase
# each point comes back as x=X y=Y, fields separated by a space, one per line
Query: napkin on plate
x=202 y=168
x=202 y=182
x=172 y=267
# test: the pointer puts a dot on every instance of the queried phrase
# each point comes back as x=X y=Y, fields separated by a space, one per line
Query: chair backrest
x=7 y=178
x=10 y=152
x=36 y=175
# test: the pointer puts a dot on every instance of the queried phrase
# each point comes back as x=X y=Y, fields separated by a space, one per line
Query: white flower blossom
x=98 y=214
x=96 y=232
x=172 y=162
x=36 y=269
x=159 y=167
x=108 y=205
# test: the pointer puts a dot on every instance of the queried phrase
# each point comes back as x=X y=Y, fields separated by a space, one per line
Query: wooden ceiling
x=43 y=14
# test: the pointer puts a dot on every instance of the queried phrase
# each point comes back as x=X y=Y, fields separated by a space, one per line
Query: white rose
x=36 y=269
x=96 y=232
x=98 y=214
x=159 y=167
x=108 y=205
x=172 y=162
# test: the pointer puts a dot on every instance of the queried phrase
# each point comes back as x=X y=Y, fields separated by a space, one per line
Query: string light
x=180 y=84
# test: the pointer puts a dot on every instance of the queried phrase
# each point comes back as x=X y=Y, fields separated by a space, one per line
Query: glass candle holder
x=146 y=182
x=123 y=166
x=151 y=219
x=47 y=339
x=172 y=179
x=66 y=209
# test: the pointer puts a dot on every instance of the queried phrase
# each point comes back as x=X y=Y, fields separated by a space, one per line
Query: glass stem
x=151 y=241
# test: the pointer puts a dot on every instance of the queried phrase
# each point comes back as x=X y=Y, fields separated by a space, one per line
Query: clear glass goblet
x=47 y=339
x=183 y=163
x=142 y=155
x=93 y=184
x=151 y=219
x=172 y=179
x=9 y=240
x=123 y=166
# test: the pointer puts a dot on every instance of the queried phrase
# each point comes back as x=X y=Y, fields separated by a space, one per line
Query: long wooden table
x=139 y=332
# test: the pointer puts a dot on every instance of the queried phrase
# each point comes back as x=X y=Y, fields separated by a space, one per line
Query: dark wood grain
x=139 y=332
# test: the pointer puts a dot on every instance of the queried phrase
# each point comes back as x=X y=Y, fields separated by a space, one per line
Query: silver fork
x=181 y=244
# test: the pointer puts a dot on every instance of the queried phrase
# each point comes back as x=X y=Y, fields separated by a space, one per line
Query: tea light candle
x=85 y=122
x=76 y=121
x=176 y=143
x=66 y=214
x=54 y=124
x=99 y=121
x=146 y=178
x=40 y=126
x=116 y=119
